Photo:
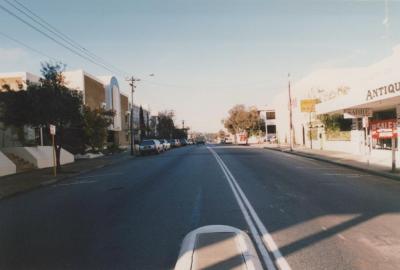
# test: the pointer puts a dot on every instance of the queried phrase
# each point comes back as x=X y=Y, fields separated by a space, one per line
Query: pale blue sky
x=207 y=55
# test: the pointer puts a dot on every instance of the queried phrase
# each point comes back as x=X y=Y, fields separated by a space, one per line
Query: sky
x=206 y=55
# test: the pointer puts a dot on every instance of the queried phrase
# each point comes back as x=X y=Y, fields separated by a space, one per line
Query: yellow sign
x=308 y=105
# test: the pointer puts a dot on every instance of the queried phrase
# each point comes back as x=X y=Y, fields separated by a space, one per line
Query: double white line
x=260 y=234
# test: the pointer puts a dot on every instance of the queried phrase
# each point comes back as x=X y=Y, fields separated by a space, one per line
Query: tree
x=166 y=126
x=47 y=103
x=95 y=124
x=142 y=124
x=242 y=119
x=221 y=134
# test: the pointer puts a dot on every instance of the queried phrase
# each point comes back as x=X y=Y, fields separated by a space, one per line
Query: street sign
x=308 y=105
x=52 y=129
x=357 y=112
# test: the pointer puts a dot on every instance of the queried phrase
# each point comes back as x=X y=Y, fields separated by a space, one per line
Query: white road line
x=268 y=241
x=280 y=261
x=323 y=228
x=264 y=253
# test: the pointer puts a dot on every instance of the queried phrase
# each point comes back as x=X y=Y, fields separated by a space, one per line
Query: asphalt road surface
x=300 y=213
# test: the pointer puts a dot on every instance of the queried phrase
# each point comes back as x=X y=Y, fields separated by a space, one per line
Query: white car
x=150 y=147
x=166 y=144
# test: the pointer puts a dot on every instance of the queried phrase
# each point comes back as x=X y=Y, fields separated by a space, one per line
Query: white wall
x=39 y=156
x=6 y=166
x=323 y=83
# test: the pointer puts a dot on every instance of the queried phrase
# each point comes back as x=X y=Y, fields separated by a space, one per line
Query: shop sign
x=383 y=129
x=308 y=105
x=383 y=91
x=358 y=112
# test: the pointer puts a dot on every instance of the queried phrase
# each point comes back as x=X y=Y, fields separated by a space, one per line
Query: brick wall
x=123 y=137
x=94 y=93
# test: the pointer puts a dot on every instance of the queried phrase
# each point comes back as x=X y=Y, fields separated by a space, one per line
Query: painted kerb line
x=280 y=261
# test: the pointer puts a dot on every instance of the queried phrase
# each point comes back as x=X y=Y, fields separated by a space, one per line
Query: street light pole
x=132 y=81
x=290 y=116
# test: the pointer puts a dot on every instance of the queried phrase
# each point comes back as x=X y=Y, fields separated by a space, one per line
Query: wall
x=6 y=165
x=94 y=93
x=39 y=156
x=122 y=135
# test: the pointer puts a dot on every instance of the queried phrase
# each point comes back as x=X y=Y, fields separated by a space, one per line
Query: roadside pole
x=308 y=106
x=132 y=81
x=290 y=116
x=53 y=132
x=393 y=152
x=41 y=135
x=310 y=132
x=365 y=125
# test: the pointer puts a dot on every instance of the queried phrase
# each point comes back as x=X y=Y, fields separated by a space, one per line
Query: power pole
x=290 y=116
x=132 y=81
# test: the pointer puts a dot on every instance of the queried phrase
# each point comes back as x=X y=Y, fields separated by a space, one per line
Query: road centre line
x=280 y=261
x=268 y=241
x=264 y=253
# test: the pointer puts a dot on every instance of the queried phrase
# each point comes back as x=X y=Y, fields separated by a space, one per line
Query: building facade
x=267 y=114
x=364 y=102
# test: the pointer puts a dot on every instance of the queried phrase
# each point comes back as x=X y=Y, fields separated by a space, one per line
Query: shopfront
x=375 y=114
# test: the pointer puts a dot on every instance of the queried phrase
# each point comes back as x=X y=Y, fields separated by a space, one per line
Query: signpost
x=308 y=105
x=53 y=133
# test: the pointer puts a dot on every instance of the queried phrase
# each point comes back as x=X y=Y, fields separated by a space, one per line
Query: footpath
x=25 y=181
x=352 y=161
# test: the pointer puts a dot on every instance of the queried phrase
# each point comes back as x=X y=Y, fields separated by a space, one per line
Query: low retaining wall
x=6 y=165
x=39 y=156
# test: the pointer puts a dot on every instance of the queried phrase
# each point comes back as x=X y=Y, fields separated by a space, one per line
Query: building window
x=270 y=115
x=271 y=129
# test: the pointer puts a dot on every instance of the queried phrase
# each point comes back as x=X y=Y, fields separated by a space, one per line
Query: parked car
x=166 y=144
x=150 y=147
x=200 y=140
x=174 y=143
x=183 y=142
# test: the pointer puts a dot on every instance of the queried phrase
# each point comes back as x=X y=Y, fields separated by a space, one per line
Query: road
x=134 y=215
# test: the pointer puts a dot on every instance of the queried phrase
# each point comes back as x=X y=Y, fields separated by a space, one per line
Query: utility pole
x=183 y=124
x=132 y=81
x=290 y=116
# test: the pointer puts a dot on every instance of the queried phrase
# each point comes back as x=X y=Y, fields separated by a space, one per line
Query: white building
x=375 y=88
x=267 y=114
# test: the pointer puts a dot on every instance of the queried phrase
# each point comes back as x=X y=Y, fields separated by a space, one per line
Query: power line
x=27 y=46
x=39 y=20
x=53 y=39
